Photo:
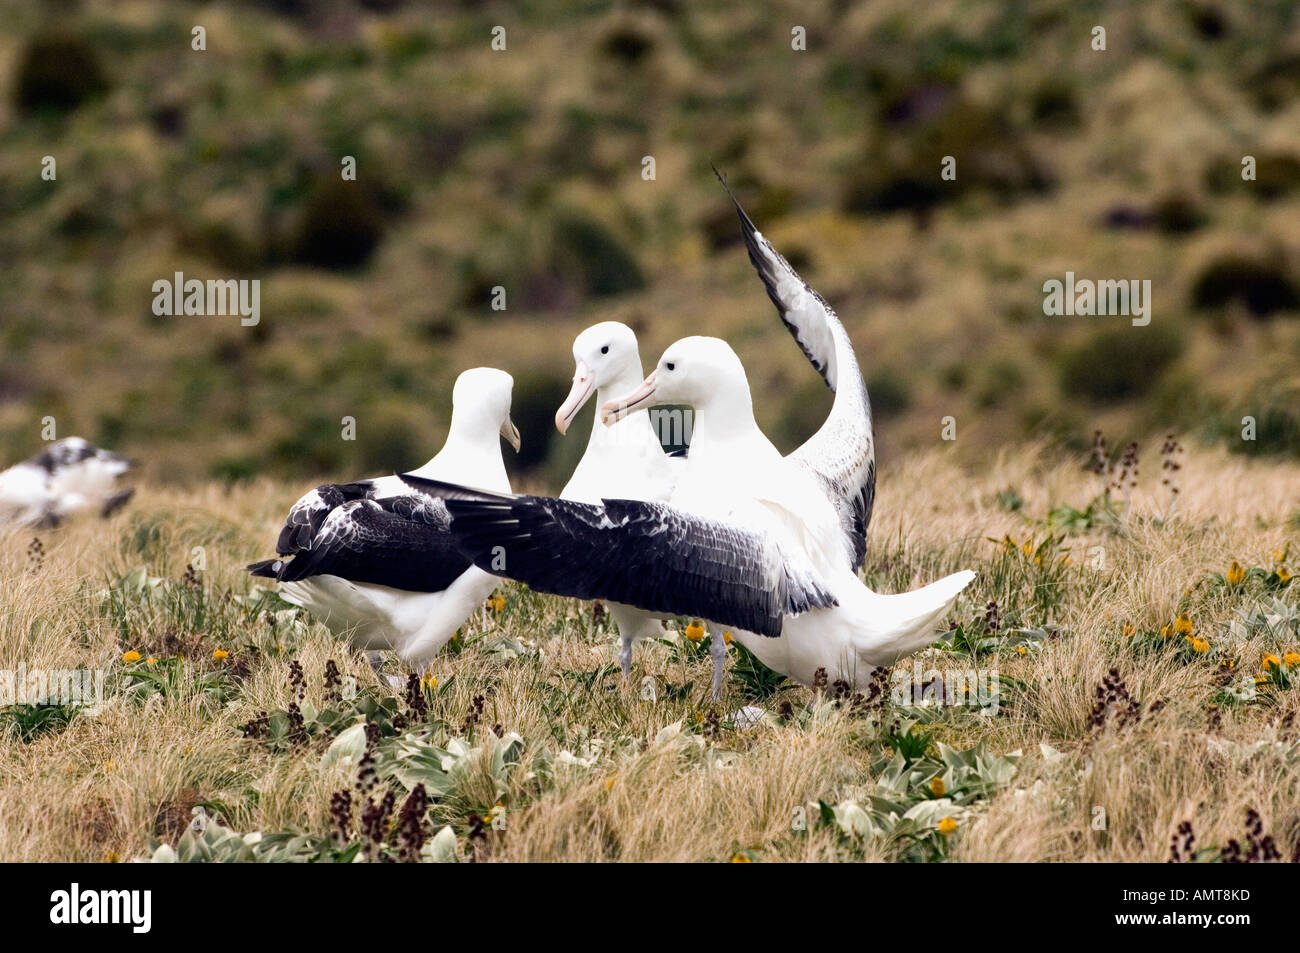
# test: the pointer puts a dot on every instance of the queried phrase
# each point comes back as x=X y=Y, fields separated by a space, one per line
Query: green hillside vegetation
x=523 y=169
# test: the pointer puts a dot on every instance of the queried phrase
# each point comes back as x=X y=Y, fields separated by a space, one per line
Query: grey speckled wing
x=841 y=455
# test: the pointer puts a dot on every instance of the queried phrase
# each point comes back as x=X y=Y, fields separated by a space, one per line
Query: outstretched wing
x=308 y=515
x=642 y=554
x=402 y=542
x=842 y=454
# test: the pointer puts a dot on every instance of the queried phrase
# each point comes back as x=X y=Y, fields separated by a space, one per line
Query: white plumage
x=735 y=477
x=623 y=460
x=68 y=477
x=374 y=562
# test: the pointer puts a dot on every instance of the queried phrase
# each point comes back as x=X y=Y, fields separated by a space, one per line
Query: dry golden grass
x=115 y=783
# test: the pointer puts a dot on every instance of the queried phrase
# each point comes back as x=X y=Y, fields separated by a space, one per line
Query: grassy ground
x=528 y=748
x=523 y=169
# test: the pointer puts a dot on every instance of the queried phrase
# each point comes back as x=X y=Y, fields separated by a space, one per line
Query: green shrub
x=1178 y=215
x=1263 y=287
x=1120 y=362
x=990 y=157
x=59 y=72
x=342 y=224
x=593 y=255
x=1054 y=105
x=889 y=392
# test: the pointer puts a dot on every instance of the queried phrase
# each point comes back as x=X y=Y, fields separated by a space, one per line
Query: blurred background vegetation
x=522 y=168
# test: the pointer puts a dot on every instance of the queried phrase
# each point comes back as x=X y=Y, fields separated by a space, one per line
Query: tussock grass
x=597 y=777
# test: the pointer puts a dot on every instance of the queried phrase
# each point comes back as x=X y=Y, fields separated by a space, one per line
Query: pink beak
x=584 y=385
x=615 y=410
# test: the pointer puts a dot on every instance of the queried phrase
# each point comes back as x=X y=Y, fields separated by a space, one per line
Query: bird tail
x=907 y=620
x=116 y=502
x=267 y=568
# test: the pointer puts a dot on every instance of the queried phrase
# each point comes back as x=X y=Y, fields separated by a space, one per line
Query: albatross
x=623 y=459
x=375 y=562
x=751 y=540
x=69 y=476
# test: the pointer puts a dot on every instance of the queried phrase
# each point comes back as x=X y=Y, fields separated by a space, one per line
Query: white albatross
x=751 y=540
x=69 y=476
x=375 y=562
x=623 y=459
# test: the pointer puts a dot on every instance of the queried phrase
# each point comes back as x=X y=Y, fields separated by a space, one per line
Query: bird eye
x=605 y=349
x=669 y=366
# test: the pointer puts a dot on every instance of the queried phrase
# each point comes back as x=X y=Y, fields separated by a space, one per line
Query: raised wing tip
x=745 y=221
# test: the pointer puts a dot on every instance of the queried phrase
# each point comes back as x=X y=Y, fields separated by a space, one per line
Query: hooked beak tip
x=511 y=433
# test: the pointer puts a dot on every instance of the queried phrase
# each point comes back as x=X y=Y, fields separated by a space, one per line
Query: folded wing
x=308 y=515
x=403 y=542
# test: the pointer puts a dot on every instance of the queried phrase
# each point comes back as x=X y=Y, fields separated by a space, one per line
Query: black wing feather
x=309 y=514
x=642 y=554
x=401 y=542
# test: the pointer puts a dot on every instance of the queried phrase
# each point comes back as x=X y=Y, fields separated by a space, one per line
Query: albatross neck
x=620 y=385
x=472 y=449
x=726 y=422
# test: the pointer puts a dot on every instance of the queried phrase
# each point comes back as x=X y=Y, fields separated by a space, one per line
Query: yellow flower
x=131 y=656
x=1199 y=646
x=429 y=681
x=497 y=603
x=1278 y=555
x=1166 y=631
x=726 y=637
x=151 y=661
x=1236 y=575
x=1261 y=679
x=1283 y=574
x=1129 y=630
x=947 y=826
x=936 y=786
x=219 y=654
x=111 y=857
x=1027 y=547
x=740 y=859
x=1020 y=650
x=1291 y=658
x=1183 y=625
x=1271 y=661
x=695 y=631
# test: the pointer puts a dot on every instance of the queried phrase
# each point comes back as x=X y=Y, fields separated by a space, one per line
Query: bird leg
x=625 y=658
x=718 y=649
